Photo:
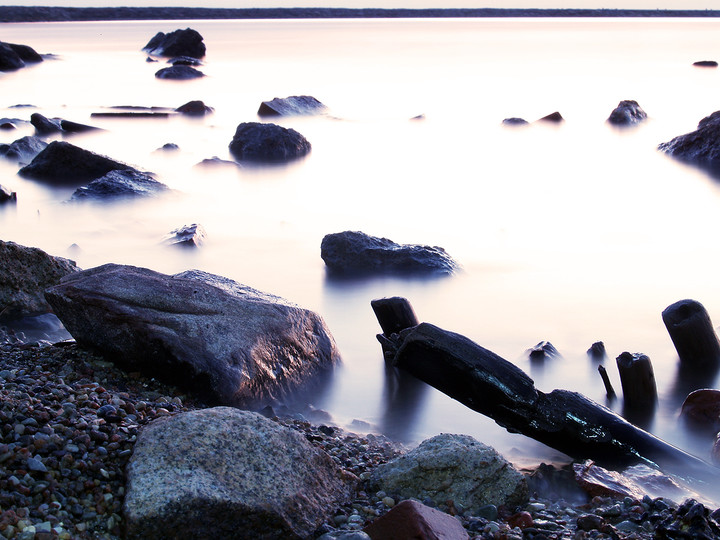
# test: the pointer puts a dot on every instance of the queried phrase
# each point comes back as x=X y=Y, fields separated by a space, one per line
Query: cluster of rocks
x=627 y=113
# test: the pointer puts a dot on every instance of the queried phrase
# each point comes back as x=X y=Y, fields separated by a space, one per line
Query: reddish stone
x=702 y=408
x=522 y=520
x=411 y=520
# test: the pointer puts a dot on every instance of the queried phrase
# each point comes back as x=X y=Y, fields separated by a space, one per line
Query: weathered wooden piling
x=692 y=333
x=637 y=379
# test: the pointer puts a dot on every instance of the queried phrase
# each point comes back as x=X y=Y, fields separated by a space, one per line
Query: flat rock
x=187 y=42
x=260 y=142
x=700 y=147
x=120 y=184
x=627 y=113
x=706 y=63
x=412 y=519
x=25 y=273
x=354 y=252
x=291 y=106
x=228 y=473
x=231 y=343
x=23 y=150
x=453 y=467
x=181 y=73
x=515 y=121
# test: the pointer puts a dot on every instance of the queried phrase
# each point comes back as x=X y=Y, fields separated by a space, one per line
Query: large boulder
x=186 y=42
x=291 y=106
x=255 y=141
x=122 y=184
x=234 y=344
x=25 y=273
x=14 y=56
x=227 y=473
x=354 y=252
x=62 y=162
x=700 y=147
x=454 y=468
x=179 y=73
x=627 y=113
x=23 y=150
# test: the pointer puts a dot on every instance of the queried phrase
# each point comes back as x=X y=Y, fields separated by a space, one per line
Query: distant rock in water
x=514 y=121
x=627 y=113
x=7 y=196
x=185 y=61
x=552 y=118
x=291 y=106
x=194 y=108
x=14 y=56
x=215 y=161
x=255 y=141
x=186 y=42
x=49 y=126
x=181 y=73
x=62 y=162
x=187 y=236
x=23 y=150
x=119 y=184
x=700 y=147
x=354 y=252
x=706 y=63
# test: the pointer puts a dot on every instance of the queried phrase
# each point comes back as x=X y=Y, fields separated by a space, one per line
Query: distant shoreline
x=58 y=14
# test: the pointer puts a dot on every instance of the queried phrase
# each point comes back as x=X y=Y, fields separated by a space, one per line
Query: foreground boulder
x=14 y=56
x=25 y=273
x=186 y=42
x=627 y=113
x=122 y=184
x=700 y=147
x=412 y=519
x=227 y=473
x=23 y=150
x=255 y=141
x=453 y=467
x=62 y=162
x=354 y=252
x=232 y=343
x=291 y=106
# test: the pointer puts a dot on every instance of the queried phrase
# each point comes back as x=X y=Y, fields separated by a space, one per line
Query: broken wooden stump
x=609 y=390
x=394 y=314
x=692 y=333
x=637 y=379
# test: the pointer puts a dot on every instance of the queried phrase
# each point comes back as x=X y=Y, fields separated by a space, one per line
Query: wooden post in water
x=692 y=333
x=394 y=315
x=638 y=380
x=609 y=390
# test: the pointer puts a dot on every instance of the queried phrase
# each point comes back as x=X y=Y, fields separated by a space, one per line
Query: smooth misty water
x=571 y=234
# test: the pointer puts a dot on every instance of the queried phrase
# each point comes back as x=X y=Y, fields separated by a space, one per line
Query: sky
x=610 y=4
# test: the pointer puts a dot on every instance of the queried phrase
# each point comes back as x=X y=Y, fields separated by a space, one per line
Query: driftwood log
x=564 y=420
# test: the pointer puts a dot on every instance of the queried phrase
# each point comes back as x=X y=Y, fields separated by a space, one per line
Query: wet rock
x=514 y=121
x=412 y=519
x=187 y=236
x=291 y=106
x=706 y=63
x=354 y=252
x=543 y=351
x=44 y=125
x=62 y=162
x=259 y=142
x=23 y=150
x=186 y=42
x=233 y=473
x=701 y=408
x=25 y=272
x=690 y=520
x=700 y=147
x=7 y=125
x=185 y=61
x=14 y=56
x=122 y=184
x=179 y=73
x=194 y=108
x=454 y=468
x=597 y=351
x=7 y=196
x=627 y=113
x=232 y=343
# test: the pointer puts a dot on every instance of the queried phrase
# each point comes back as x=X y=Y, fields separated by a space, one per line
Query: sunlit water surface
x=572 y=233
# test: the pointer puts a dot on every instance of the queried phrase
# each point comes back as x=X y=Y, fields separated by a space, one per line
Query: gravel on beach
x=69 y=420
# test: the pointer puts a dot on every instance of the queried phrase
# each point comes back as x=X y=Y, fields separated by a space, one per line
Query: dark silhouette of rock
x=291 y=106
x=74 y=127
x=230 y=343
x=168 y=147
x=514 y=121
x=627 y=113
x=700 y=147
x=543 y=351
x=186 y=42
x=119 y=184
x=552 y=118
x=354 y=252
x=185 y=61
x=215 y=161
x=255 y=141
x=23 y=150
x=180 y=73
x=701 y=409
x=194 y=108
x=187 y=236
x=7 y=196
x=412 y=519
x=7 y=126
x=44 y=125
x=706 y=63
x=14 y=56
x=62 y=162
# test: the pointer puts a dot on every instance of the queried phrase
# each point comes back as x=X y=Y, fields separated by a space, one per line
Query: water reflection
x=404 y=400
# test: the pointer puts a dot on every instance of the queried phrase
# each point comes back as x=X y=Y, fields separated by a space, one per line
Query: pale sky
x=610 y=4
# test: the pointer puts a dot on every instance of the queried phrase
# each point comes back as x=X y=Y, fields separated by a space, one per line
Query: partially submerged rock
x=706 y=63
x=120 y=184
x=627 y=113
x=185 y=61
x=227 y=473
x=291 y=106
x=14 y=56
x=181 y=73
x=44 y=125
x=194 y=108
x=23 y=150
x=515 y=121
x=236 y=345
x=700 y=147
x=354 y=252
x=259 y=142
x=186 y=42
x=187 y=236
x=552 y=118
x=25 y=273
x=7 y=196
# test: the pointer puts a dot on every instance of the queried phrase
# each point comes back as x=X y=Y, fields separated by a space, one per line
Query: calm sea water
x=572 y=233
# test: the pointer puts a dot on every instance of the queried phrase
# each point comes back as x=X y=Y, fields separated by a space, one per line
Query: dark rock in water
x=209 y=334
x=555 y=118
x=7 y=196
x=62 y=162
x=119 y=184
x=354 y=252
x=291 y=106
x=597 y=351
x=514 y=121
x=418 y=117
x=7 y=126
x=232 y=472
x=44 y=125
x=255 y=141
x=627 y=113
x=25 y=273
x=700 y=147
x=185 y=61
x=215 y=161
x=25 y=52
x=169 y=147
x=186 y=42
x=701 y=409
x=187 y=236
x=180 y=73
x=706 y=63
x=14 y=56
x=194 y=108
x=74 y=127
x=150 y=60
x=23 y=150
x=412 y=519
x=542 y=351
